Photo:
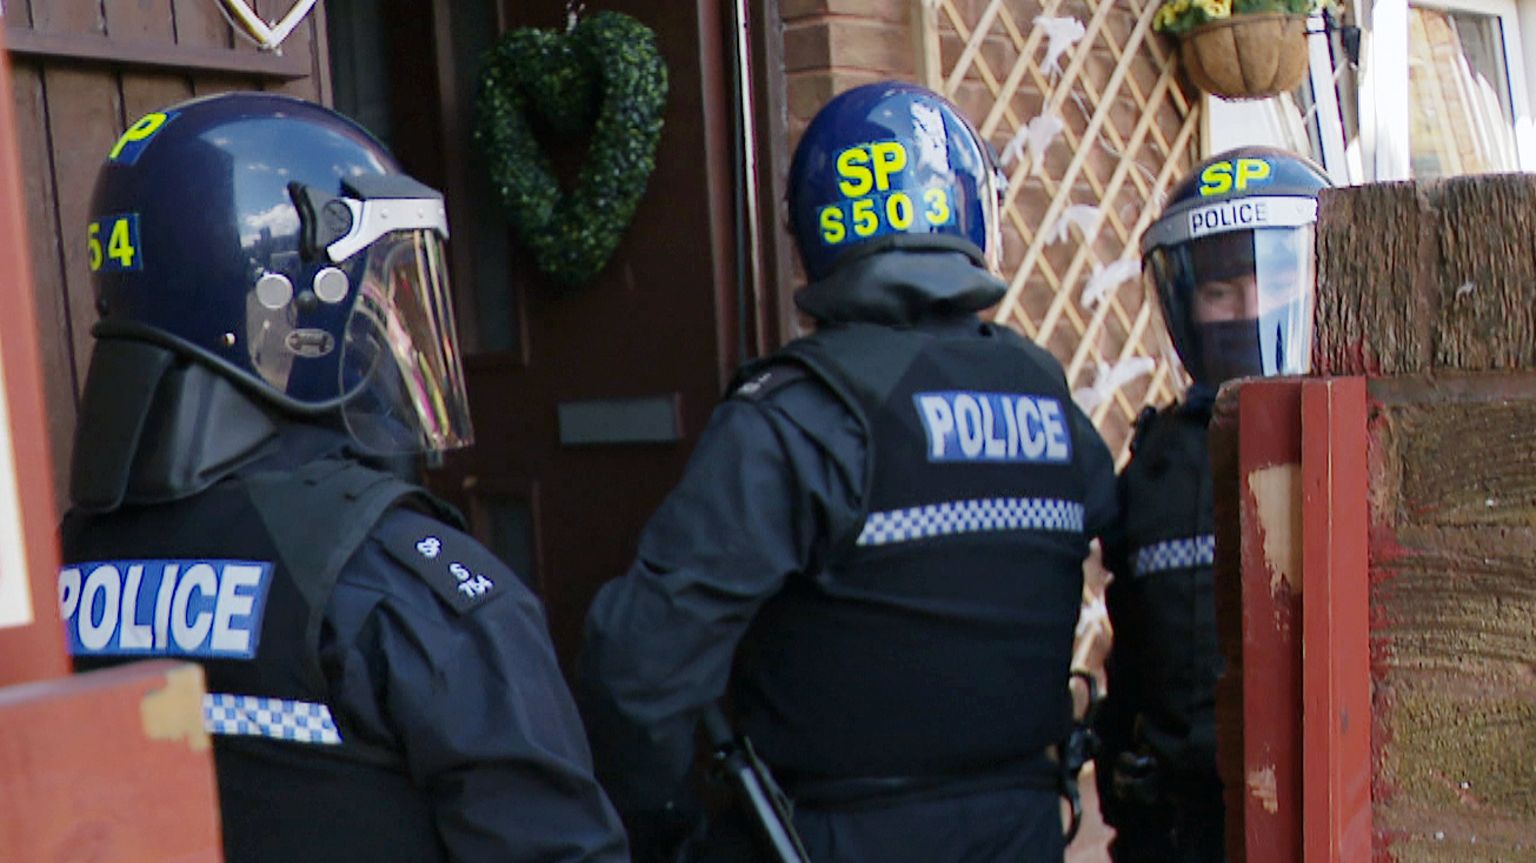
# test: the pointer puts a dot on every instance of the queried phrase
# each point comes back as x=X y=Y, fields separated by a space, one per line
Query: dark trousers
x=1017 y=825
x=1190 y=828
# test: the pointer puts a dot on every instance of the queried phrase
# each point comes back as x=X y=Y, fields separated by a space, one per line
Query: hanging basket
x=1252 y=56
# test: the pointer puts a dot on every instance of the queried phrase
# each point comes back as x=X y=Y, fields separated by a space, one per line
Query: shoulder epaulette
x=766 y=381
x=463 y=573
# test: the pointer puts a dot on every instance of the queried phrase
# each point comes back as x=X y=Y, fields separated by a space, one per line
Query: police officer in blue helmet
x=1229 y=265
x=874 y=557
x=275 y=329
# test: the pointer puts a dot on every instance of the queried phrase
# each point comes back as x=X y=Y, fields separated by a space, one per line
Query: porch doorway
x=585 y=400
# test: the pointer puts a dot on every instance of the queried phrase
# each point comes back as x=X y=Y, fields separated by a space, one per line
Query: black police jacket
x=379 y=686
x=1165 y=661
x=888 y=521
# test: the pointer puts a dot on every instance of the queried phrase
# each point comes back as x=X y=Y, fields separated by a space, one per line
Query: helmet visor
x=400 y=354
x=1238 y=304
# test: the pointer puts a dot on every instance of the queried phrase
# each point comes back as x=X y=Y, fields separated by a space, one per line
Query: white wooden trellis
x=1129 y=132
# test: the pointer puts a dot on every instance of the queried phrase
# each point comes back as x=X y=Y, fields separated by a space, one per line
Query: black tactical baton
x=750 y=777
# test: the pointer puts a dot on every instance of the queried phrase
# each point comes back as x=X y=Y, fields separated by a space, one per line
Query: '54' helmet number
x=122 y=243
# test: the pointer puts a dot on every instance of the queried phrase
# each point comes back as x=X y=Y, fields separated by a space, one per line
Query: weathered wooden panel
x=47 y=258
x=301 y=42
x=84 y=120
x=1428 y=275
x=67 y=16
x=74 y=94
x=149 y=20
x=141 y=20
x=1454 y=618
x=111 y=765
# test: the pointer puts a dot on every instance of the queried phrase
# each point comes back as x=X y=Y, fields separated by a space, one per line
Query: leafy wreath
x=603 y=76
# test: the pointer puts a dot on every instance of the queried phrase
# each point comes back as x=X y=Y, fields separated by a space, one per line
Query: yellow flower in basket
x=1177 y=17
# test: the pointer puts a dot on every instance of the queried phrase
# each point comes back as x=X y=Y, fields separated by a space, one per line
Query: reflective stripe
x=1176 y=554
x=250 y=715
x=971 y=516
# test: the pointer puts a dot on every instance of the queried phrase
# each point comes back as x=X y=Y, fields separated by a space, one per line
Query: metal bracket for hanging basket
x=1247 y=56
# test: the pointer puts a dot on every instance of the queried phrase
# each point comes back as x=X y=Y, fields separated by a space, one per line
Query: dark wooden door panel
x=632 y=363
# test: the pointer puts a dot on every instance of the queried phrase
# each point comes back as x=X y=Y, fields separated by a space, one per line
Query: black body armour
x=237 y=578
x=936 y=639
x=1162 y=601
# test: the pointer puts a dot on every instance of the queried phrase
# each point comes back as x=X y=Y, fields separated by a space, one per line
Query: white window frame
x=1384 y=114
x=1278 y=121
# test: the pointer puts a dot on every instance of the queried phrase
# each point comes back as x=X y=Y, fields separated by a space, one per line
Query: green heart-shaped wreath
x=604 y=75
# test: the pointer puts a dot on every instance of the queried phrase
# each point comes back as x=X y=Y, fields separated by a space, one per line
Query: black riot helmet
x=1230 y=263
x=278 y=244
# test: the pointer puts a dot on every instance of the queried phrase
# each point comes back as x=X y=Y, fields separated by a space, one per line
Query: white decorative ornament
x=266 y=36
x=1081 y=215
x=1108 y=378
x=1063 y=33
x=1035 y=136
x=1105 y=280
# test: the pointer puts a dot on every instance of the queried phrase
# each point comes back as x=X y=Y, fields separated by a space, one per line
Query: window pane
x=1458 y=90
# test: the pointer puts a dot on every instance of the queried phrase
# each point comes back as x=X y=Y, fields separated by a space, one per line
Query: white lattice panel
x=1083 y=101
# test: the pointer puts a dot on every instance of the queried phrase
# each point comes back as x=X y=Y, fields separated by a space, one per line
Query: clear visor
x=992 y=199
x=1238 y=304
x=401 y=351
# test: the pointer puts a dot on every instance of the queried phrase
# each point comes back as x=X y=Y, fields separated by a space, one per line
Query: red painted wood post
x=1335 y=639
x=1269 y=469
x=31 y=640
x=111 y=765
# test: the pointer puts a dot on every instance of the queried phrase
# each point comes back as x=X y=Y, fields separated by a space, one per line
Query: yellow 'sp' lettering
x=1251 y=170
x=889 y=158
x=1220 y=178
x=143 y=128
x=833 y=231
x=1216 y=179
x=857 y=179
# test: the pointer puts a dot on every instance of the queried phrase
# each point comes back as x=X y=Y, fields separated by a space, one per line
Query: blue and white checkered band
x=277 y=718
x=1176 y=554
x=971 y=516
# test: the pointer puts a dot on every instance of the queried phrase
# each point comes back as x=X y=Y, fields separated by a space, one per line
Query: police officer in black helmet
x=1230 y=266
x=876 y=549
x=274 y=321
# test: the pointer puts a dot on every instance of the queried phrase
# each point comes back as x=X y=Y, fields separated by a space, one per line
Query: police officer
x=1229 y=264
x=876 y=548
x=274 y=315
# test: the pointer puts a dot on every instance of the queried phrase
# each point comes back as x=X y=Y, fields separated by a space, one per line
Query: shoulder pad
x=765 y=382
x=461 y=571
x=1143 y=426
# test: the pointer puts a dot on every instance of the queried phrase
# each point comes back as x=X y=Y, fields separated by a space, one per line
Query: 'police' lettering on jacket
x=967 y=426
x=200 y=608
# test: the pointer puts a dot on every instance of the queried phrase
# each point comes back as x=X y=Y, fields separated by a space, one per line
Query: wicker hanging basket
x=1247 y=56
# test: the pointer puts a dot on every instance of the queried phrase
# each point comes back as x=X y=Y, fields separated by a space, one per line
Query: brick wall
x=833 y=45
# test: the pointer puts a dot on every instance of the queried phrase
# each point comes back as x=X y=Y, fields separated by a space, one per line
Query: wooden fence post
x=112 y=765
x=1411 y=624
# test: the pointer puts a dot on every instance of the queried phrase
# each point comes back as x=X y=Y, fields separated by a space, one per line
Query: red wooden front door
x=585 y=400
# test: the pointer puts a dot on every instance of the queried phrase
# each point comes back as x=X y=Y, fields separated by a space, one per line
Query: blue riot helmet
x=279 y=244
x=1230 y=265
x=891 y=165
